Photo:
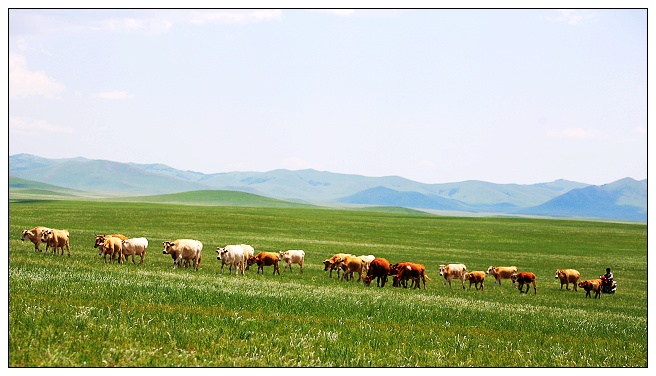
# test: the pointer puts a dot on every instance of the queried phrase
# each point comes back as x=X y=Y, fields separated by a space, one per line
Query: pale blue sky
x=506 y=96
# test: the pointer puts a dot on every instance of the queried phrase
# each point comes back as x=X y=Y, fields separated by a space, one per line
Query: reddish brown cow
x=379 y=268
x=522 y=278
x=403 y=271
x=591 y=285
x=476 y=278
x=265 y=259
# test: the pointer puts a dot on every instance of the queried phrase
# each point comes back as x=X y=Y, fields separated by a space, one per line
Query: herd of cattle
x=187 y=252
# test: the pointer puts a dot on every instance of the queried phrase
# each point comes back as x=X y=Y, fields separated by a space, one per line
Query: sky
x=434 y=95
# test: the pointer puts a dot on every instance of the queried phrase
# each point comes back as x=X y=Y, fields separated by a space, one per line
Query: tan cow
x=591 y=285
x=56 y=239
x=111 y=246
x=501 y=272
x=100 y=239
x=476 y=278
x=34 y=235
x=350 y=265
x=568 y=276
x=335 y=263
x=183 y=250
x=453 y=271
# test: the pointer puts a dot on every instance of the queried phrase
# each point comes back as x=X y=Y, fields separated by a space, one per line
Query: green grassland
x=79 y=311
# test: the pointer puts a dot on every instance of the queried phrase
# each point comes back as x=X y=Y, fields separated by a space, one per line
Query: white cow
x=232 y=254
x=183 y=249
x=293 y=256
x=132 y=247
x=366 y=260
x=453 y=271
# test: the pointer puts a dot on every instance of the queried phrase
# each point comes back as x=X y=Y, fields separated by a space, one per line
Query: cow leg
x=301 y=265
x=535 y=288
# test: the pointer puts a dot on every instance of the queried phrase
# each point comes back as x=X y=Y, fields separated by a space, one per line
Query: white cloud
x=234 y=16
x=570 y=17
x=30 y=127
x=338 y=12
x=573 y=133
x=25 y=83
x=114 y=95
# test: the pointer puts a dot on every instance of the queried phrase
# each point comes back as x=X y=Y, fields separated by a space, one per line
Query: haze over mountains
x=625 y=199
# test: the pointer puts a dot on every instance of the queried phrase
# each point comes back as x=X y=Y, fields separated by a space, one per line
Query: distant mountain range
x=625 y=199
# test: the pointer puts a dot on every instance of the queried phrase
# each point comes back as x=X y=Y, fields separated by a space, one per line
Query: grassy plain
x=79 y=311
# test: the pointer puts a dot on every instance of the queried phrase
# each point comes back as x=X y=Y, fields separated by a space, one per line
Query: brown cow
x=522 y=278
x=476 y=278
x=408 y=270
x=56 y=239
x=100 y=239
x=111 y=246
x=350 y=265
x=568 y=276
x=501 y=272
x=379 y=268
x=266 y=259
x=591 y=285
x=35 y=236
x=453 y=271
x=334 y=263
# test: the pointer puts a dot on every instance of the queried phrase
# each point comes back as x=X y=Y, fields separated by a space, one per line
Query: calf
x=56 y=239
x=379 y=268
x=568 y=276
x=501 y=272
x=591 y=285
x=476 y=278
x=293 y=256
x=266 y=259
x=187 y=250
x=134 y=246
x=34 y=235
x=522 y=278
x=334 y=262
x=453 y=271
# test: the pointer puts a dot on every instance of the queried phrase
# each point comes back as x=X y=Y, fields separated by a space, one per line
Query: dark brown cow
x=522 y=278
x=476 y=278
x=379 y=268
x=263 y=259
x=591 y=285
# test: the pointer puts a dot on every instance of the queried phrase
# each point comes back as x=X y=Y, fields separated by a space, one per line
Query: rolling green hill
x=215 y=198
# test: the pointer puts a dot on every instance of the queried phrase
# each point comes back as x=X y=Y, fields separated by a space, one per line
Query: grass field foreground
x=79 y=311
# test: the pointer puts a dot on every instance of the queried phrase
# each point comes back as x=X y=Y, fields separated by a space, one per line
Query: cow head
x=219 y=252
x=167 y=247
x=45 y=234
x=490 y=270
x=100 y=239
x=442 y=269
x=513 y=277
x=560 y=274
x=327 y=264
x=367 y=280
x=25 y=232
